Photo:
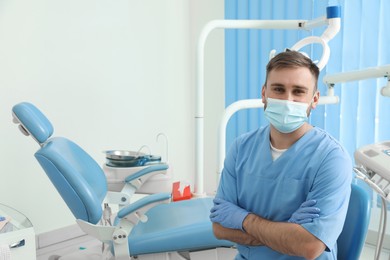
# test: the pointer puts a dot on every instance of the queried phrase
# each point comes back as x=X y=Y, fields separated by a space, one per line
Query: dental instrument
x=375 y=162
x=373 y=167
x=332 y=20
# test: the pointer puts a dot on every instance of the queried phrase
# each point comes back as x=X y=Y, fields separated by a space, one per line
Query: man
x=271 y=175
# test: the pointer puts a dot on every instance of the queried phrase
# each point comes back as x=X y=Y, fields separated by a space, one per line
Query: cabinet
x=18 y=234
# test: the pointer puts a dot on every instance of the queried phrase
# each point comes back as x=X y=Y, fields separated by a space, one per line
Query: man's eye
x=299 y=92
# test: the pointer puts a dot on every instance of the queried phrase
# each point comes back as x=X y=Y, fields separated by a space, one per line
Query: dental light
x=375 y=72
x=385 y=91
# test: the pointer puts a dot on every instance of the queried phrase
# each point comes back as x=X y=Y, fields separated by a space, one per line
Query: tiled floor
x=72 y=240
x=368 y=253
x=91 y=247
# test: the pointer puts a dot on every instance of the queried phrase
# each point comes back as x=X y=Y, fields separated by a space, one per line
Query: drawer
x=25 y=238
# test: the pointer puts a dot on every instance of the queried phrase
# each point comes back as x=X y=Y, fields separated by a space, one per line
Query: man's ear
x=263 y=94
x=316 y=98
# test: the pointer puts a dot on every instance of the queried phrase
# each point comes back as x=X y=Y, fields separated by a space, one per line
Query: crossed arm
x=250 y=229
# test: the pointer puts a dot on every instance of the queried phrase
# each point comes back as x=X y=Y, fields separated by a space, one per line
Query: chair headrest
x=32 y=122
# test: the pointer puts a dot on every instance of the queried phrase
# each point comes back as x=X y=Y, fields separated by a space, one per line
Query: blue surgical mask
x=286 y=116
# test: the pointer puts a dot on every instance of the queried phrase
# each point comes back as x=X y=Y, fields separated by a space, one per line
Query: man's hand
x=227 y=214
x=305 y=213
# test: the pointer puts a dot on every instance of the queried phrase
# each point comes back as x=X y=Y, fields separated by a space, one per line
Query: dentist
x=285 y=188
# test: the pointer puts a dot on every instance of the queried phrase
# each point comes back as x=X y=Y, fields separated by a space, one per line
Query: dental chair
x=150 y=228
x=351 y=240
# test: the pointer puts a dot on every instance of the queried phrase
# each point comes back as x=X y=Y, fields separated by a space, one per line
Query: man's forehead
x=291 y=74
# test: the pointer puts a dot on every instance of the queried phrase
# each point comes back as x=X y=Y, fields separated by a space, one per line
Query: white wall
x=109 y=75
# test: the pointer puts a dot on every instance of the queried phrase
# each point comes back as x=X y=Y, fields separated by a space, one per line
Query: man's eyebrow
x=300 y=87
x=277 y=85
x=295 y=86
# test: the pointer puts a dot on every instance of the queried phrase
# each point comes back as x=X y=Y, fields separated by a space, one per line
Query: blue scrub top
x=315 y=167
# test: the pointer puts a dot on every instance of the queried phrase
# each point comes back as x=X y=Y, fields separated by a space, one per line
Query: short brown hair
x=292 y=59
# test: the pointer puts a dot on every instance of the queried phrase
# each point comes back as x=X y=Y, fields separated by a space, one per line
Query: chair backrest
x=76 y=175
x=351 y=240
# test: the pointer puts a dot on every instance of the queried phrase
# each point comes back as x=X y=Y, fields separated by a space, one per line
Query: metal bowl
x=122 y=154
x=124 y=158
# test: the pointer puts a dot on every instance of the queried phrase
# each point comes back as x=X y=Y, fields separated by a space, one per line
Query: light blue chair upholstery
x=77 y=177
x=352 y=238
x=178 y=226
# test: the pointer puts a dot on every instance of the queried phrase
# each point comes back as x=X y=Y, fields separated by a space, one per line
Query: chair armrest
x=138 y=178
x=136 y=211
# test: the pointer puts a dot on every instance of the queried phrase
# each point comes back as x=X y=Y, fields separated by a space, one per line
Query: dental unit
x=373 y=167
x=152 y=227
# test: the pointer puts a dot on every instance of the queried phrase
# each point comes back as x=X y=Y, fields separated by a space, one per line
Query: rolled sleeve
x=331 y=189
